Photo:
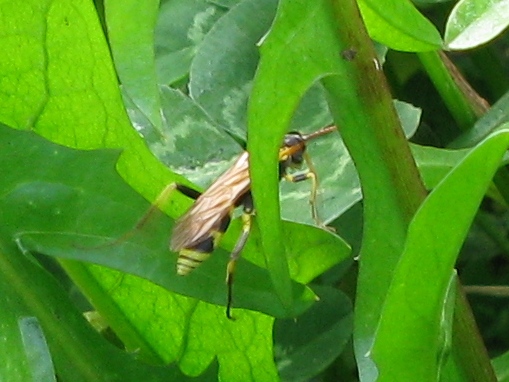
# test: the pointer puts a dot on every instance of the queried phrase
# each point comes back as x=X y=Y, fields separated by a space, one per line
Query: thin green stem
x=459 y=97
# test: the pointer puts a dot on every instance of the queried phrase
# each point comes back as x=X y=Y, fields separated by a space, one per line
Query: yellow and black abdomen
x=191 y=257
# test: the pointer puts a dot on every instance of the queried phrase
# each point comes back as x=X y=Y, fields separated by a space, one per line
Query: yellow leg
x=158 y=203
x=161 y=199
x=314 y=187
x=310 y=174
x=234 y=256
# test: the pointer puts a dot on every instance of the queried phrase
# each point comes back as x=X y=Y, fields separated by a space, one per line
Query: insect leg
x=162 y=198
x=310 y=174
x=241 y=242
x=158 y=203
x=187 y=191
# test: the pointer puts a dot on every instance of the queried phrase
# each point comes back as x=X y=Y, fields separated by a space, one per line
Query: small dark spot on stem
x=349 y=54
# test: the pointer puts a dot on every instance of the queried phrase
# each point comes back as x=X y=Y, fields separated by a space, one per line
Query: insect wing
x=205 y=215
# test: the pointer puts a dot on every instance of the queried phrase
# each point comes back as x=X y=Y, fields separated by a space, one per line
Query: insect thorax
x=292 y=139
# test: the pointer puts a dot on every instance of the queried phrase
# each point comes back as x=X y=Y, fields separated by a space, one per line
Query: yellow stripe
x=189 y=260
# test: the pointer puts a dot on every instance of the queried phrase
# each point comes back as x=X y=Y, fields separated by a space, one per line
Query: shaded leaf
x=28 y=291
x=181 y=27
x=501 y=366
x=306 y=346
x=434 y=163
x=222 y=71
x=36 y=350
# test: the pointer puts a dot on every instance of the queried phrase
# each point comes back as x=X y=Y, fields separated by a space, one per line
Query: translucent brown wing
x=206 y=213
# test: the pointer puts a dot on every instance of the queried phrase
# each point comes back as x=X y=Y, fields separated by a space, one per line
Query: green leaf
x=15 y=364
x=181 y=27
x=501 y=366
x=311 y=251
x=338 y=189
x=59 y=81
x=222 y=71
x=131 y=33
x=52 y=210
x=27 y=291
x=36 y=349
x=65 y=208
x=434 y=163
x=409 y=116
x=475 y=22
x=420 y=283
x=95 y=117
x=195 y=146
x=494 y=118
x=321 y=332
x=399 y=25
x=81 y=206
x=270 y=114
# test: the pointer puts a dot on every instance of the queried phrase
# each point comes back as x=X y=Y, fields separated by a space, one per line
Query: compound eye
x=293 y=138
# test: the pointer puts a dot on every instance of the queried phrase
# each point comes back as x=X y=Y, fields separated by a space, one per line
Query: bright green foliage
x=200 y=81
x=399 y=25
x=431 y=250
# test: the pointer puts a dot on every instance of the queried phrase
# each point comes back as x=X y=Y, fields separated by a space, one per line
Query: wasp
x=200 y=229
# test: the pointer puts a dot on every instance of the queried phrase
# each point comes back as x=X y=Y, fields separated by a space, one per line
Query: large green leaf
x=421 y=280
x=68 y=214
x=36 y=312
x=59 y=80
x=271 y=113
x=71 y=216
x=269 y=117
x=52 y=210
x=83 y=109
